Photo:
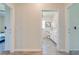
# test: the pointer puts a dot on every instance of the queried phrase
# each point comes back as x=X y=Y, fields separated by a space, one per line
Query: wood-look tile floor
x=27 y=53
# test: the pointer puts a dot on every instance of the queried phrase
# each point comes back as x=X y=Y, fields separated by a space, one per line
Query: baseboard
x=27 y=50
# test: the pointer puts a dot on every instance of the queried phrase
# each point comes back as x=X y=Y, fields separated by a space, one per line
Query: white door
x=73 y=27
x=7 y=28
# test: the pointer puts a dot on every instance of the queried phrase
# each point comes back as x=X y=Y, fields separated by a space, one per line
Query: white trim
x=11 y=6
x=66 y=26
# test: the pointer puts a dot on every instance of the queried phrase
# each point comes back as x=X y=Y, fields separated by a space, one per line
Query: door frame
x=12 y=18
x=56 y=10
x=66 y=25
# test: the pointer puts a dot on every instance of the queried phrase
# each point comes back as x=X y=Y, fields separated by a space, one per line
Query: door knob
x=75 y=27
x=5 y=27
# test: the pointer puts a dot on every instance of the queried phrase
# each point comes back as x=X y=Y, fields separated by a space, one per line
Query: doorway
x=50 y=31
x=5 y=28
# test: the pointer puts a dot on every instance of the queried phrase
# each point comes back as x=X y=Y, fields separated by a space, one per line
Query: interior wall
x=2 y=7
x=28 y=25
x=1 y=18
x=1 y=23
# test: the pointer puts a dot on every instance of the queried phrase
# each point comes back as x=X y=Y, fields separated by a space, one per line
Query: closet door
x=73 y=27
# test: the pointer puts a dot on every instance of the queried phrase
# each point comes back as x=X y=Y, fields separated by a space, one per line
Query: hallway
x=39 y=29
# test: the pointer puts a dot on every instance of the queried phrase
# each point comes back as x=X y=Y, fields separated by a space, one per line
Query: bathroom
x=5 y=34
x=2 y=28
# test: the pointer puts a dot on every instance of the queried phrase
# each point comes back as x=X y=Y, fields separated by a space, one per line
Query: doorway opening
x=5 y=28
x=50 y=35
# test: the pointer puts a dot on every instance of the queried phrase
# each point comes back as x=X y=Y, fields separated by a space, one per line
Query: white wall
x=2 y=7
x=28 y=25
x=1 y=23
